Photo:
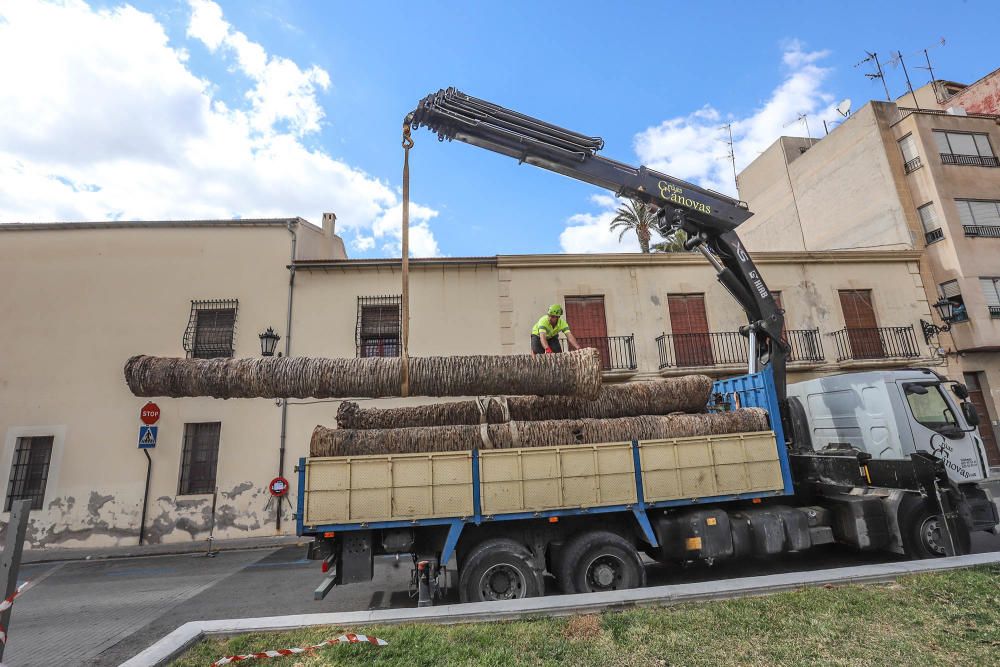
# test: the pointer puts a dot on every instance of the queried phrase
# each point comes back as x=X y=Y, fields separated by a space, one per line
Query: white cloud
x=362 y=243
x=103 y=119
x=691 y=146
x=388 y=230
x=589 y=232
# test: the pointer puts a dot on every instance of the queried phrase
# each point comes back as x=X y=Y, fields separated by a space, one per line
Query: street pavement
x=101 y=612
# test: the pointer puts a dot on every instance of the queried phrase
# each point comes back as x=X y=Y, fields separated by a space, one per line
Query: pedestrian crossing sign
x=147 y=437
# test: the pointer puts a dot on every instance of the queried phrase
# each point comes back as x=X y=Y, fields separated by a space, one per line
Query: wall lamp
x=946 y=310
x=268 y=342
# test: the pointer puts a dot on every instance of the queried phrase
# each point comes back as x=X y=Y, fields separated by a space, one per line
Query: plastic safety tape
x=7 y=604
x=343 y=639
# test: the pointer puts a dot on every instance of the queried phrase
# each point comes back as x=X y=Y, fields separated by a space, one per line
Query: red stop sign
x=150 y=413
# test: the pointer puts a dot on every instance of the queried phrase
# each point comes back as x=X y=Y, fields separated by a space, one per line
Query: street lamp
x=946 y=310
x=268 y=341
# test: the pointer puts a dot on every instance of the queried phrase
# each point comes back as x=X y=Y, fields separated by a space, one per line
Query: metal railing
x=934 y=235
x=994 y=312
x=876 y=343
x=617 y=352
x=805 y=344
x=912 y=165
x=970 y=160
x=990 y=231
x=718 y=348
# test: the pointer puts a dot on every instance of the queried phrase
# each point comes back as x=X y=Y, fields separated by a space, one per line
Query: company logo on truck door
x=675 y=195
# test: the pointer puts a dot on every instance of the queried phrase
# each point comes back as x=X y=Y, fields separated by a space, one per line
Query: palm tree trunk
x=689 y=393
x=569 y=374
x=350 y=442
x=644 y=237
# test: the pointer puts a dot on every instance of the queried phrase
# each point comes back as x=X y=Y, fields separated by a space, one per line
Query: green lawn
x=950 y=618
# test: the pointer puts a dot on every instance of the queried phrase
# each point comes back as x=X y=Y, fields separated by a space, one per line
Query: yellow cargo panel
x=544 y=478
x=707 y=466
x=388 y=488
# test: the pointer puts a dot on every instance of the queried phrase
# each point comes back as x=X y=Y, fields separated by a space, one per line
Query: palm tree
x=673 y=243
x=636 y=217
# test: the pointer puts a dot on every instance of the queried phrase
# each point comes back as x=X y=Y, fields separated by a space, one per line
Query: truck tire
x=497 y=569
x=922 y=532
x=600 y=561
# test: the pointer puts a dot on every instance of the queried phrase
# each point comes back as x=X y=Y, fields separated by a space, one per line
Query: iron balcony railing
x=934 y=235
x=729 y=348
x=876 y=343
x=994 y=312
x=970 y=160
x=912 y=165
x=617 y=352
x=991 y=231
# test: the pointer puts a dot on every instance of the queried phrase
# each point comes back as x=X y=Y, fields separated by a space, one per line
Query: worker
x=545 y=333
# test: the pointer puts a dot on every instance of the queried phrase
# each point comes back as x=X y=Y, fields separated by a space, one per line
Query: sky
x=197 y=109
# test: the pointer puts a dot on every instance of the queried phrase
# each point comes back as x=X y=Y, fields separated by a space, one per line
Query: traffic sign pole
x=149 y=414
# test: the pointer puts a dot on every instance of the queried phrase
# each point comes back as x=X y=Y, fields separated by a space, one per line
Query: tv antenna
x=898 y=59
x=732 y=153
x=930 y=69
x=802 y=118
x=878 y=74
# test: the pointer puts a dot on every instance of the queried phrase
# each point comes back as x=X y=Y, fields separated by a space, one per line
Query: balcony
x=617 y=352
x=729 y=348
x=988 y=231
x=934 y=235
x=876 y=344
x=994 y=312
x=912 y=165
x=970 y=160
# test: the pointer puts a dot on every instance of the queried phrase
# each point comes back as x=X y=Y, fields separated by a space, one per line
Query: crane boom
x=710 y=218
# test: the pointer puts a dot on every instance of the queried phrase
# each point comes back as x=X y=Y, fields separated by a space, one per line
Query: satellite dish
x=844 y=107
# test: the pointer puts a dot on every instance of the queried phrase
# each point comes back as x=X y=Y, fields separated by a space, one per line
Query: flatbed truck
x=886 y=460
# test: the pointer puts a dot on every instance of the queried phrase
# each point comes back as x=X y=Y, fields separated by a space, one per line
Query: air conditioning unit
x=956 y=111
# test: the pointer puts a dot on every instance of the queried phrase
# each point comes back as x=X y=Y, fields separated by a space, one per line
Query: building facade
x=79 y=299
x=898 y=177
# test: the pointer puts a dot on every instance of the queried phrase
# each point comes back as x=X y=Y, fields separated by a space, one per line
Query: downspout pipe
x=292 y=226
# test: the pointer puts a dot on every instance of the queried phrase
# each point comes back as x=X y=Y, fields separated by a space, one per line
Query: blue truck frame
x=752 y=390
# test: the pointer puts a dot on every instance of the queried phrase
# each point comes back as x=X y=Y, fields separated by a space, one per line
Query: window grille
x=29 y=471
x=200 y=457
x=211 y=329
x=378 y=327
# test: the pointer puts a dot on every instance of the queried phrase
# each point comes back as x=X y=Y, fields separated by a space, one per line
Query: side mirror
x=918 y=389
x=960 y=390
x=970 y=414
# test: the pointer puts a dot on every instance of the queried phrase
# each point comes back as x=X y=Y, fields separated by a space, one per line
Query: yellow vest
x=543 y=325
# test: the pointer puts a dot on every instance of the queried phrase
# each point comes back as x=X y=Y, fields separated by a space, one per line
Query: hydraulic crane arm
x=708 y=217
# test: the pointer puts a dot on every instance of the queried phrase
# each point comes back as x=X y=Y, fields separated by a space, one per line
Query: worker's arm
x=572 y=340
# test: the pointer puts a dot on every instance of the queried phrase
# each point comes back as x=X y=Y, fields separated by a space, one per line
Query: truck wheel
x=600 y=561
x=923 y=532
x=497 y=569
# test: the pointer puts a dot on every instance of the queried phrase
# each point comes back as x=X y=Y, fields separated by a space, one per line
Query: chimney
x=329 y=224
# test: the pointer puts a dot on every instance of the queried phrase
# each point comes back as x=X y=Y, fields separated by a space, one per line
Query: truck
x=881 y=460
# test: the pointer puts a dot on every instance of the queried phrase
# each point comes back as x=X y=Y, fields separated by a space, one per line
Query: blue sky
x=235 y=109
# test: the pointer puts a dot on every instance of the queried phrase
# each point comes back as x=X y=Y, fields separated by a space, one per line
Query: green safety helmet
x=555 y=309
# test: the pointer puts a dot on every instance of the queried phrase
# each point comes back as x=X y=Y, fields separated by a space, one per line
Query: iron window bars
x=378 y=326
x=211 y=329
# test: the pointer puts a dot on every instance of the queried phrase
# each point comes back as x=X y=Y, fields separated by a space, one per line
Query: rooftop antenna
x=930 y=69
x=802 y=118
x=878 y=75
x=844 y=107
x=732 y=153
x=898 y=58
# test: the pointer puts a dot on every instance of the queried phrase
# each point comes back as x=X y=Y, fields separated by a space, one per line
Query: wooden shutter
x=862 y=327
x=689 y=326
x=586 y=318
x=978 y=399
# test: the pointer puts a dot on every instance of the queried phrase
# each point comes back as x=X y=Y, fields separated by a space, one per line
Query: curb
x=179 y=549
x=563 y=605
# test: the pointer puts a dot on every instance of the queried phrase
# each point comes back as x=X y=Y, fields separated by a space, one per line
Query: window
x=931 y=224
x=378 y=327
x=199 y=458
x=29 y=471
x=965 y=148
x=911 y=161
x=931 y=410
x=979 y=217
x=991 y=290
x=211 y=329
x=951 y=291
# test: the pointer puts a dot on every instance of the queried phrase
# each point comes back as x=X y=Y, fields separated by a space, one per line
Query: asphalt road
x=103 y=612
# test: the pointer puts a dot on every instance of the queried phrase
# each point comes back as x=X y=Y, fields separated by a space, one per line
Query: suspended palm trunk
x=570 y=374
x=689 y=393
x=351 y=442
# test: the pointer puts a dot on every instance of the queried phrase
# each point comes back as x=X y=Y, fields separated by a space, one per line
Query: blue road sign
x=147 y=437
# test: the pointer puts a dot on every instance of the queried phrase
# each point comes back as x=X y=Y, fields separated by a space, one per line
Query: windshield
x=932 y=410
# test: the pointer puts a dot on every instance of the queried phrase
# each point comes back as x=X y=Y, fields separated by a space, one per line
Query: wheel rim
x=502 y=582
x=932 y=536
x=606 y=573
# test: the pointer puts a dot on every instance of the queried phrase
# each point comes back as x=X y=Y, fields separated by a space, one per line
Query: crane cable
x=405 y=243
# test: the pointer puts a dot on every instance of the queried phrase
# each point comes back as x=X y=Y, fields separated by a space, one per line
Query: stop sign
x=150 y=413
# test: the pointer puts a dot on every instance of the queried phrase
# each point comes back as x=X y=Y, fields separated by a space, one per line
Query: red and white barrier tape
x=343 y=639
x=7 y=604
